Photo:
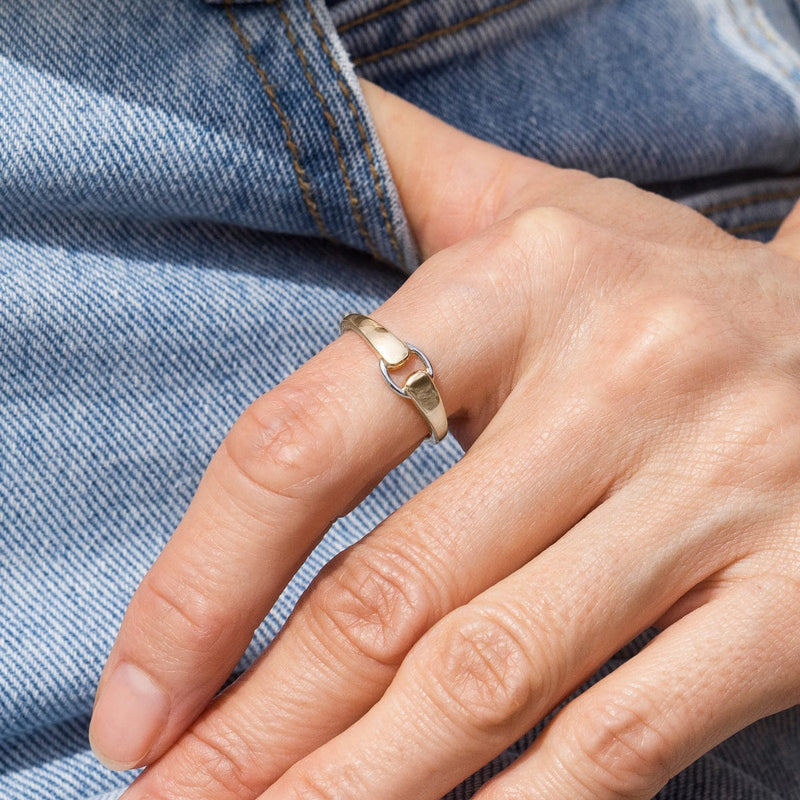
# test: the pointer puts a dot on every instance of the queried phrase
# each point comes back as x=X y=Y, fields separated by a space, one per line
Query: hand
x=625 y=378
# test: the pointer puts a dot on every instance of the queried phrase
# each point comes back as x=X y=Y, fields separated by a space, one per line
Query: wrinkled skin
x=625 y=378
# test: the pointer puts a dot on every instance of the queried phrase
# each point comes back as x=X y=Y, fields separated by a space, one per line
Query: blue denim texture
x=191 y=194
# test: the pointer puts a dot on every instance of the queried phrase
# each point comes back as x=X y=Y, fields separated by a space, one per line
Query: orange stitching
x=770 y=36
x=756 y=226
x=752 y=42
x=427 y=37
x=761 y=197
x=302 y=179
x=333 y=126
x=373 y=169
x=375 y=14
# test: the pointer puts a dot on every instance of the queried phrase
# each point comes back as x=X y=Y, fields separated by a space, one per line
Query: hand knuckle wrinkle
x=485 y=677
x=378 y=605
x=284 y=442
x=194 y=620
x=623 y=750
x=219 y=762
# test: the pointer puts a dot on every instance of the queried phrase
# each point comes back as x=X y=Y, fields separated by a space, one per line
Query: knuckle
x=196 y=621
x=285 y=441
x=483 y=678
x=544 y=233
x=218 y=762
x=540 y=250
x=666 y=345
x=619 y=749
x=377 y=605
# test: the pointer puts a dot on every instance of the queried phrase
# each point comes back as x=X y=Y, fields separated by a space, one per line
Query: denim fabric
x=191 y=194
x=247 y=116
x=651 y=92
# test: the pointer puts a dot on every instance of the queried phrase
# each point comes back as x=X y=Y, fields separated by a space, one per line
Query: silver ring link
x=388 y=378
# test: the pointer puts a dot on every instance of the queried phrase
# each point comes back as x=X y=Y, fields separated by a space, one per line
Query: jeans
x=191 y=196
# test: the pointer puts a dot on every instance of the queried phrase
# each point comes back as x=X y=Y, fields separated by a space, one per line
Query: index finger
x=299 y=457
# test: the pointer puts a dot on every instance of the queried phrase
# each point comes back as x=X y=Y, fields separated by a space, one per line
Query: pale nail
x=131 y=712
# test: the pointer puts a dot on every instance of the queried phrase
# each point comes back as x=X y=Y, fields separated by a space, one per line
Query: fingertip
x=106 y=762
x=129 y=716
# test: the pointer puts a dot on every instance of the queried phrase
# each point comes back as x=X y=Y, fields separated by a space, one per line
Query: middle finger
x=342 y=647
x=491 y=669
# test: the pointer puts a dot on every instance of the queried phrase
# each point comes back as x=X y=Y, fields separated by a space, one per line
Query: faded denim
x=191 y=194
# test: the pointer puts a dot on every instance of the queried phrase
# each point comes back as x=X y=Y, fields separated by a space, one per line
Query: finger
x=299 y=457
x=489 y=670
x=453 y=185
x=715 y=671
x=787 y=239
x=343 y=645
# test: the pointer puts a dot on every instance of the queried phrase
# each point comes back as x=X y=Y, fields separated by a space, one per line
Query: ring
x=394 y=353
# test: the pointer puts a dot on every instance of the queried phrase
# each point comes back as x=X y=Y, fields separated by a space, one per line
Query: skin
x=624 y=377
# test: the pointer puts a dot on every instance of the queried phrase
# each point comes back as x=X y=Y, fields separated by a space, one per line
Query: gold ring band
x=394 y=353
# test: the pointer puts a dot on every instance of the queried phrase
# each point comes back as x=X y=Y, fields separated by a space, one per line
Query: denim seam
x=333 y=127
x=761 y=225
x=771 y=37
x=746 y=37
x=376 y=13
x=362 y=132
x=439 y=32
x=759 y=197
x=291 y=144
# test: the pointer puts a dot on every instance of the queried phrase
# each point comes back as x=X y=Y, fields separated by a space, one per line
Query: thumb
x=450 y=183
x=787 y=239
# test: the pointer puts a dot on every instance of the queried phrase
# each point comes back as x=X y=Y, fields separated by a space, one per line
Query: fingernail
x=129 y=715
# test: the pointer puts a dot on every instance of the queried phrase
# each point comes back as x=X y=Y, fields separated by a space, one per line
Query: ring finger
x=297 y=459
